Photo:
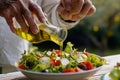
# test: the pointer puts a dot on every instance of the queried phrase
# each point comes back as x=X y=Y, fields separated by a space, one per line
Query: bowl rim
x=71 y=73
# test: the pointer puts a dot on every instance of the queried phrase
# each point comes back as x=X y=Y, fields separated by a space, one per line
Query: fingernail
x=35 y=30
x=44 y=19
x=13 y=30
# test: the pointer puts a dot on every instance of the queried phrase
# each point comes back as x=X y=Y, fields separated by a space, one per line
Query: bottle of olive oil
x=46 y=32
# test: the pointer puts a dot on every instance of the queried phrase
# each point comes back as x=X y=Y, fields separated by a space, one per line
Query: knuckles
x=77 y=6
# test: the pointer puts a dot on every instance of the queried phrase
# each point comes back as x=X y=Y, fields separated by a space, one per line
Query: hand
x=23 y=11
x=75 y=10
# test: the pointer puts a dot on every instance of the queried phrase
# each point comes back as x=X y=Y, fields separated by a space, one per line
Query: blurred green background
x=99 y=33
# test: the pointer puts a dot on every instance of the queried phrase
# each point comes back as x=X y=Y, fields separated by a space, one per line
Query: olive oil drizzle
x=40 y=37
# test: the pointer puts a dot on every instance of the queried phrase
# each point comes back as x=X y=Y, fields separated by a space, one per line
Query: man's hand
x=75 y=9
x=23 y=11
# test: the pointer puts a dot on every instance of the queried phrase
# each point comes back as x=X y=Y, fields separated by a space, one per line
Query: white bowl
x=59 y=76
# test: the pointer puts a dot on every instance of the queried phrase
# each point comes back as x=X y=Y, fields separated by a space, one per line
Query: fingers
x=72 y=6
x=22 y=23
x=30 y=20
x=20 y=18
x=66 y=4
x=64 y=14
x=86 y=7
x=27 y=15
x=77 y=17
x=77 y=5
x=11 y=24
x=91 y=11
x=38 y=12
x=20 y=10
x=8 y=14
x=79 y=9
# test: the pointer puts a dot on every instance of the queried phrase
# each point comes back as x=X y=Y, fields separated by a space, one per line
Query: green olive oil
x=43 y=35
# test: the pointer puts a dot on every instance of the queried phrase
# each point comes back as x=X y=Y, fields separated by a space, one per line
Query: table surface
x=112 y=60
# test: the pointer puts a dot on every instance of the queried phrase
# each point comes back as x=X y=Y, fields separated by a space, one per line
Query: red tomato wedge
x=87 y=53
x=88 y=64
x=21 y=66
x=59 y=52
x=77 y=69
x=68 y=70
x=55 y=62
x=71 y=70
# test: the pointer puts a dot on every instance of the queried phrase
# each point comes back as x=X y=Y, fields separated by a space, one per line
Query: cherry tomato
x=87 y=53
x=55 y=62
x=88 y=64
x=77 y=69
x=21 y=66
x=71 y=70
x=59 y=52
x=68 y=70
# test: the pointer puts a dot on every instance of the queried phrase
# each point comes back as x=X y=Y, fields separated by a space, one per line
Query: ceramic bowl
x=59 y=76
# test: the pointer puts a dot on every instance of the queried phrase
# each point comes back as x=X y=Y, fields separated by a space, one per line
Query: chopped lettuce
x=96 y=60
x=29 y=60
x=69 y=48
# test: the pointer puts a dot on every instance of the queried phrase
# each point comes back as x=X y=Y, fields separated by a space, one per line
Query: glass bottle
x=47 y=31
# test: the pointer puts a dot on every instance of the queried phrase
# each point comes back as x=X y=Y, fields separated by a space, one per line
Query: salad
x=115 y=73
x=57 y=61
